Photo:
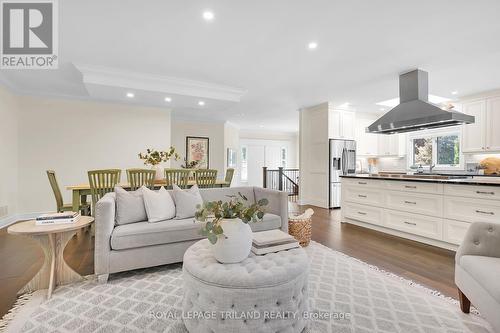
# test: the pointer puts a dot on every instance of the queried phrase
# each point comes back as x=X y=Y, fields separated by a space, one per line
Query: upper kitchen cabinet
x=493 y=122
x=483 y=135
x=367 y=143
x=474 y=138
x=341 y=124
x=388 y=145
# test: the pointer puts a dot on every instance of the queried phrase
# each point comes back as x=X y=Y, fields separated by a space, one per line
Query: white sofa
x=144 y=244
x=477 y=271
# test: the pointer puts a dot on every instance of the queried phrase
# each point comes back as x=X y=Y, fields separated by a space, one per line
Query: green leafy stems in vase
x=214 y=212
x=190 y=165
x=155 y=157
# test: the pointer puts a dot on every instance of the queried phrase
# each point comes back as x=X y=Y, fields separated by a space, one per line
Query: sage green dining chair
x=179 y=177
x=229 y=177
x=141 y=177
x=60 y=205
x=206 y=178
x=102 y=182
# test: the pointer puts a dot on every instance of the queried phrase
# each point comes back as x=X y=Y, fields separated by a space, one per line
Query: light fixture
x=130 y=95
x=208 y=15
x=201 y=103
x=312 y=45
x=168 y=99
x=381 y=109
x=454 y=92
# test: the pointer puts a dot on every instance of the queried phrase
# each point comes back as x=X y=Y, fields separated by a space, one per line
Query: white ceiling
x=260 y=46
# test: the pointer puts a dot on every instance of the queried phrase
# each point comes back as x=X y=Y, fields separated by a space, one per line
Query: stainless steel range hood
x=414 y=111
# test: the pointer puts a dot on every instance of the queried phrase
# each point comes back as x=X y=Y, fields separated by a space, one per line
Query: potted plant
x=155 y=157
x=227 y=226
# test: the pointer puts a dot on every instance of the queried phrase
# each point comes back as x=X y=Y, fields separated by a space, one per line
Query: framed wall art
x=197 y=149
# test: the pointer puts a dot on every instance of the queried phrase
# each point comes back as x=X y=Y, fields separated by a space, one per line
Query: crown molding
x=170 y=85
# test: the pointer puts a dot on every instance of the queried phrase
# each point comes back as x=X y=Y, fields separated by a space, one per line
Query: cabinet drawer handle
x=362 y=183
x=484 y=192
x=361 y=196
x=483 y=212
x=410 y=202
x=361 y=213
x=410 y=223
x=408 y=186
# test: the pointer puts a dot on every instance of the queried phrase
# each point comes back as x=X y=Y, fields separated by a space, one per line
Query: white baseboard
x=6 y=221
x=312 y=202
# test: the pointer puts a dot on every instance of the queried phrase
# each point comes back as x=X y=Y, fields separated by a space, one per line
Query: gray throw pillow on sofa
x=129 y=206
x=186 y=201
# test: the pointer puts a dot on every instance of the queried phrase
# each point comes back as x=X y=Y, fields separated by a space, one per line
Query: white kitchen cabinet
x=430 y=212
x=483 y=135
x=341 y=124
x=366 y=143
x=388 y=145
x=474 y=138
x=493 y=122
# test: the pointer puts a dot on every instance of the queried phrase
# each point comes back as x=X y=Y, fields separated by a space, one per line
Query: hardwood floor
x=21 y=257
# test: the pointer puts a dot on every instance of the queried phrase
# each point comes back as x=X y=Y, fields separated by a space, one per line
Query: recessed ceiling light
x=201 y=103
x=454 y=92
x=208 y=15
x=130 y=95
x=312 y=45
x=168 y=99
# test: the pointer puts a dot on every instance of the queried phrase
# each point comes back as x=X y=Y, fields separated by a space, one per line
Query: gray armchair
x=477 y=271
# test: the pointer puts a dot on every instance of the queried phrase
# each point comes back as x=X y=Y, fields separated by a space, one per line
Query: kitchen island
x=431 y=209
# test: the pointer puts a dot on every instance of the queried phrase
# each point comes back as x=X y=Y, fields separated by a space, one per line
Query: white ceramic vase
x=159 y=172
x=235 y=245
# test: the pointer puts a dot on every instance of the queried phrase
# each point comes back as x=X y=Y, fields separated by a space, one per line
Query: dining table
x=81 y=191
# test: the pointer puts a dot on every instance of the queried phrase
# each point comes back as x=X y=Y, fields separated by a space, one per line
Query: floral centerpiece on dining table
x=155 y=157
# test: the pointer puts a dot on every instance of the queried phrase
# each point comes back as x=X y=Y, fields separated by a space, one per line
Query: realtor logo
x=29 y=34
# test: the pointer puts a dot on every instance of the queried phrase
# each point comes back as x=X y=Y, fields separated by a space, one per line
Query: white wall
x=71 y=137
x=8 y=152
x=214 y=131
x=314 y=150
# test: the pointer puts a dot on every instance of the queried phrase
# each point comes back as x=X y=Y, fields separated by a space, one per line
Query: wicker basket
x=300 y=229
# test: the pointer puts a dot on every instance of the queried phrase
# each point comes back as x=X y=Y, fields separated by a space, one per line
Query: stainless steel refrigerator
x=342 y=162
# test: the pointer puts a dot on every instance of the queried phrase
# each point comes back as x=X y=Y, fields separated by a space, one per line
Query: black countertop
x=471 y=180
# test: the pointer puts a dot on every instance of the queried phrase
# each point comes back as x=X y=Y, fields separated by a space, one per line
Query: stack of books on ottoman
x=272 y=241
x=57 y=218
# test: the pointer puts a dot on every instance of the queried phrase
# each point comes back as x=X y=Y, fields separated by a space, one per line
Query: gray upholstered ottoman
x=260 y=294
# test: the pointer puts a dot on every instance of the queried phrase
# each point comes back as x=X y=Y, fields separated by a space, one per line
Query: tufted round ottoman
x=260 y=294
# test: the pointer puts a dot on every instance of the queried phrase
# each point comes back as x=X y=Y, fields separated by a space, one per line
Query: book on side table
x=272 y=241
x=57 y=218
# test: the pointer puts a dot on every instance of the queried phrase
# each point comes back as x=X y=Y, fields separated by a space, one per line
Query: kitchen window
x=440 y=149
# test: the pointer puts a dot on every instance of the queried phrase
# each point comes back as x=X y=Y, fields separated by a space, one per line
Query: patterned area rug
x=346 y=295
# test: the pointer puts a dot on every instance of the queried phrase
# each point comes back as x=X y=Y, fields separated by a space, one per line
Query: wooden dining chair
x=206 y=178
x=229 y=177
x=179 y=177
x=61 y=206
x=141 y=177
x=102 y=182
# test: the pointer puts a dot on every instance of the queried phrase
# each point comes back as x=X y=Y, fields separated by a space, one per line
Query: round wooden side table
x=53 y=239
